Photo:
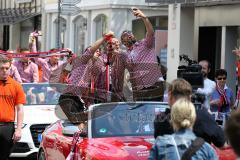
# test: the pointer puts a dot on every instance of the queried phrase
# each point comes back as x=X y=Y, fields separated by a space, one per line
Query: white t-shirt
x=208 y=88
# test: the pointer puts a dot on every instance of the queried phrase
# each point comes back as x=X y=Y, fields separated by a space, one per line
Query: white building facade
x=81 y=21
x=203 y=29
x=89 y=19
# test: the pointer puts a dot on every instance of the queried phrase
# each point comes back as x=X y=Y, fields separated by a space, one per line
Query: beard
x=204 y=74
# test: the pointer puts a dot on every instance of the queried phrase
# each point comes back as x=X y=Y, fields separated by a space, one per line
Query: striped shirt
x=142 y=64
x=13 y=73
x=28 y=74
x=47 y=68
x=89 y=69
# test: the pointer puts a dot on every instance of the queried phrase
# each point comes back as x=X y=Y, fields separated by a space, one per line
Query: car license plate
x=39 y=138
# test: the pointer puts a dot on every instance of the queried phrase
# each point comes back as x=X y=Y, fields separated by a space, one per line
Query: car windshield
x=42 y=93
x=136 y=119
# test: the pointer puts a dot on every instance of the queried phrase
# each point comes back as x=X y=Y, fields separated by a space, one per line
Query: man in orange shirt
x=12 y=98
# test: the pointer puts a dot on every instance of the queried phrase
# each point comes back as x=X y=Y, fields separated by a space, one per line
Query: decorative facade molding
x=17 y=12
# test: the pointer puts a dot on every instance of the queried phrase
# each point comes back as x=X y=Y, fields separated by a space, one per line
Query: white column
x=49 y=33
x=1 y=36
x=68 y=31
x=196 y=33
x=89 y=29
x=71 y=35
x=44 y=25
x=174 y=11
x=223 y=47
x=14 y=38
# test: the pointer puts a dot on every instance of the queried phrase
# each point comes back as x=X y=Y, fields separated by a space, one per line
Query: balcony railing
x=12 y=12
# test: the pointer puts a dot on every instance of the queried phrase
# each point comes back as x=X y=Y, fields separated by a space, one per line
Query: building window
x=80 y=28
x=60 y=36
x=101 y=25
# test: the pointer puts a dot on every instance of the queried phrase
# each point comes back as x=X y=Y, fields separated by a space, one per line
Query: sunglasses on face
x=221 y=78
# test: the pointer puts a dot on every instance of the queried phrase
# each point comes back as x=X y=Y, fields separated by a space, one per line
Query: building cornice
x=53 y=7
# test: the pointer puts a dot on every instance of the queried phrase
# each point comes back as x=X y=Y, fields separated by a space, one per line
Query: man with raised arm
x=145 y=74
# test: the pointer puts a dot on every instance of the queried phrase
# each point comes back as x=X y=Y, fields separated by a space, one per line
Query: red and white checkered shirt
x=79 y=79
x=79 y=69
x=117 y=74
x=88 y=68
x=142 y=64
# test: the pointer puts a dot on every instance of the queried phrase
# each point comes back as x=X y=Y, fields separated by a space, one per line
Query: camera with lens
x=192 y=72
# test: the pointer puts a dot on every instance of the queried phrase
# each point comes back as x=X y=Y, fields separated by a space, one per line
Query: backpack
x=192 y=149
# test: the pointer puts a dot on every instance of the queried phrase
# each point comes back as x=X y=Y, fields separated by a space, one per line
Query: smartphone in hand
x=134 y=9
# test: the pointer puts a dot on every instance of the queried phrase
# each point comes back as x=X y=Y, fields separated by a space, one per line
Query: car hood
x=39 y=114
x=124 y=148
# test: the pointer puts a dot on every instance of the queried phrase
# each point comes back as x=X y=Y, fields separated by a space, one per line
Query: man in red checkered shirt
x=92 y=79
x=145 y=73
x=111 y=78
x=81 y=76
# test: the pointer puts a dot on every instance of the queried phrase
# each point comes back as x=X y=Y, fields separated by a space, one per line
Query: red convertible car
x=115 y=131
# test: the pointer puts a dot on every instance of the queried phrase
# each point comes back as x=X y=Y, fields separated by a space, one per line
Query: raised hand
x=138 y=13
x=109 y=34
x=237 y=52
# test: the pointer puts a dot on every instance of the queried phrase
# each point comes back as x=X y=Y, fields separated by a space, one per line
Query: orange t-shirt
x=11 y=94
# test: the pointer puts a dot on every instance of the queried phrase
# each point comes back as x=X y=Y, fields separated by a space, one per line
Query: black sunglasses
x=222 y=78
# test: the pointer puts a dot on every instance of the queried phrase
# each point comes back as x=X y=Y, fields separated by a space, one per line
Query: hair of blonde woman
x=183 y=114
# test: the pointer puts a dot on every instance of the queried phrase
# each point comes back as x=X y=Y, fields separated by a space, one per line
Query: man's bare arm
x=138 y=13
x=99 y=42
x=17 y=134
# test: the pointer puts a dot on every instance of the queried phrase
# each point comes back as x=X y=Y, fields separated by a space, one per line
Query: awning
x=15 y=15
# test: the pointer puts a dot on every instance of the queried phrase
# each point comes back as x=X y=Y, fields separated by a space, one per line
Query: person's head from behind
x=179 y=88
x=183 y=114
x=5 y=64
x=232 y=130
x=127 y=38
x=206 y=67
x=221 y=77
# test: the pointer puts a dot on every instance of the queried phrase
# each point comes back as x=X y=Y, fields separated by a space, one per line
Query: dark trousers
x=6 y=142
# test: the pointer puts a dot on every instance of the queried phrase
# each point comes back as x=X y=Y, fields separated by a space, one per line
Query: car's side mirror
x=70 y=130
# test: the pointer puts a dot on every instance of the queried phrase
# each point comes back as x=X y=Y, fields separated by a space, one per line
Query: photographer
x=209 y=85
x=204 y=127
x=145 y=74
